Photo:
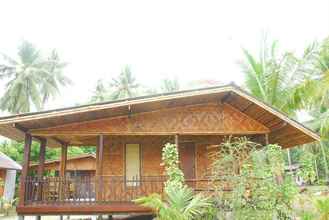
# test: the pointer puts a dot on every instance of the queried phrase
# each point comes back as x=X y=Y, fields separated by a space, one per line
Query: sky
x=186 y=39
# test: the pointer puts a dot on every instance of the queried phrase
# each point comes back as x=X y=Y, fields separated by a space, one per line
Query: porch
x=124 y=171
x=103 y=189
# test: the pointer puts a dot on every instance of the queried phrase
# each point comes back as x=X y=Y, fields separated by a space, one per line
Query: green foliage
x=254 y=178
x=178 y=201
x=274 y=76
x=307 y=216
x=170 y=160
x=322 y=206
x=179 y=204
x=15 y=150
x=170 y=85
x=6 y=205
x=307 y=170
x=31 y=79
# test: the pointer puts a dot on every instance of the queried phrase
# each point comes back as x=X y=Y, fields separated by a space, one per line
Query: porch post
x=99 y=166
x=25 y=169
x=266 y=139
x=41 y=167
x=62 y=168
x=177 y=141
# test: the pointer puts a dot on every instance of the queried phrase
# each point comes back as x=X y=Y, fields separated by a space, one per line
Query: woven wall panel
x=209 y=118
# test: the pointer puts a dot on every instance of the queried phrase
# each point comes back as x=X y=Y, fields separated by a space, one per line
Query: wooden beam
x=40 y=139
x=99 y=167
x=25 y=169
x=267 y=142
x=99 y=157
x=246 y=108
x=96 y=133
x=177 y=140
x=226 y=97
x=82 y=209
x=42 y=155
x=63 y=161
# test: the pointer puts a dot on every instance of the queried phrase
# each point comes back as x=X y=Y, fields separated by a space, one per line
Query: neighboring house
x=129 y=135
x=8 y=171
x=83 y=166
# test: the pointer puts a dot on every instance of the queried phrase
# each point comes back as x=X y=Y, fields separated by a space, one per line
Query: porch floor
x=82 y=209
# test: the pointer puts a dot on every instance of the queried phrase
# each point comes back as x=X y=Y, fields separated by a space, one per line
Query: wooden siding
x=87 y=163
x=210 y=118
x=151 y=151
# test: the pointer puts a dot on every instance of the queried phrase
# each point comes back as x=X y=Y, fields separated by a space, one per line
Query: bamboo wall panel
x=205 y=118
x=113 y=159
x=88 y=163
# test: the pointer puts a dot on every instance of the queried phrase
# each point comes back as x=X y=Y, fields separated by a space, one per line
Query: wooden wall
x=151 y=150
x=87 y=163
x=212 y=118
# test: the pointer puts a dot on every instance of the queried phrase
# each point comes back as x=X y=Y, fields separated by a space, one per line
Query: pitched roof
x=8 y=163
x=284 y=130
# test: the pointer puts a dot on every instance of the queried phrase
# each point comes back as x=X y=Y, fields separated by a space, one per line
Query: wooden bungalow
x=8 y=171
x=81 y=166
x=129 y=135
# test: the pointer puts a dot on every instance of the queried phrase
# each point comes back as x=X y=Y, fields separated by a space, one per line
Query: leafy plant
x=178 y=201
x=6 y=205
x=249 y=180
x=307 y=171
x=322 y=205
x=170 y=160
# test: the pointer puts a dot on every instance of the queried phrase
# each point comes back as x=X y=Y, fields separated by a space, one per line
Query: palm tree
x=170 y=85
x=54 y=78
x=101 y=93
x=31 y=79
x=276 y=78
x=125 y=86
x=316 y=92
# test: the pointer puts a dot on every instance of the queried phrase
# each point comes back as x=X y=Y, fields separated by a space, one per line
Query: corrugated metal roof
x=8 y=163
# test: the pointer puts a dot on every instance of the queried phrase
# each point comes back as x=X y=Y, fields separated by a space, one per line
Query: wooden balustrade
x=82 y=190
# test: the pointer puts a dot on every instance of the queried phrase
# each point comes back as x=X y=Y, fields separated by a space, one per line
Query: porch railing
x=91 y=190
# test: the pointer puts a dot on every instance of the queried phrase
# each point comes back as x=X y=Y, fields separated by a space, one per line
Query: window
x=132 y=164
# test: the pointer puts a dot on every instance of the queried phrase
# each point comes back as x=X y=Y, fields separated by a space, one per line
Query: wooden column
x=63 y=161
x=25 y=169
x=62 y=170
x=99 y=155
x=99 y=167
x=42 y=154
x=177 y=141
x=41 y=167
x=266 y=139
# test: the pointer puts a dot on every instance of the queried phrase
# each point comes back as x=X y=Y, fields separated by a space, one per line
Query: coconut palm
x=170 y=85
x=278 y=78
x=54 y=78
x=100 y=93
x=31 y=79
x=125 y=86
x=275 y=77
